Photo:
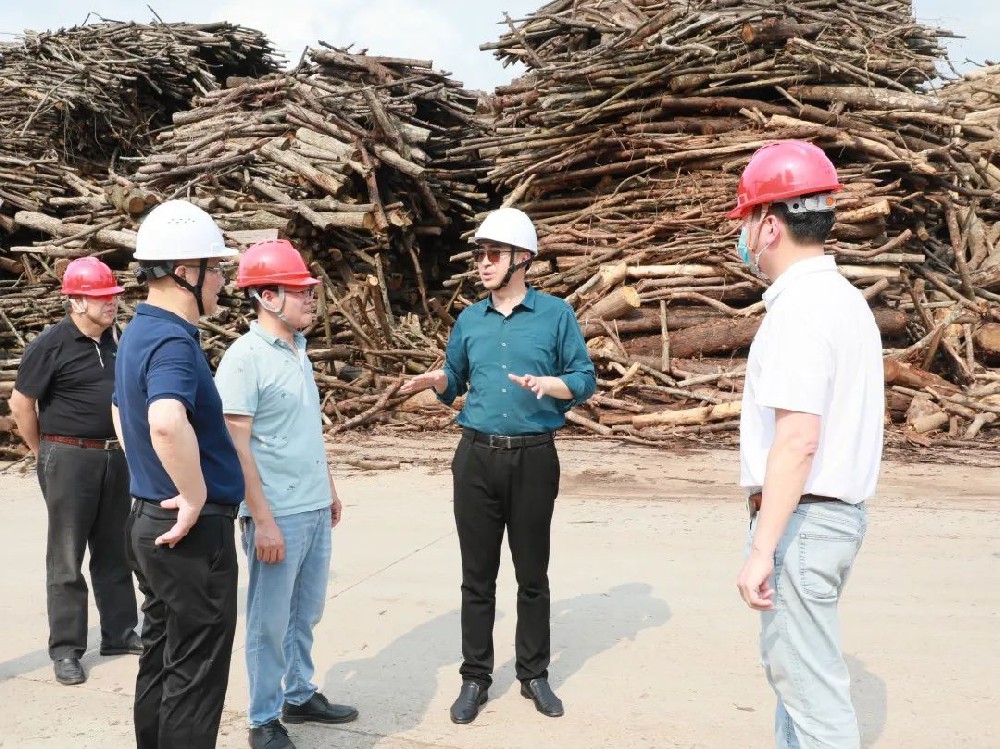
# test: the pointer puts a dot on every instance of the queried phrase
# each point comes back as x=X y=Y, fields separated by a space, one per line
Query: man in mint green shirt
x=272 y=409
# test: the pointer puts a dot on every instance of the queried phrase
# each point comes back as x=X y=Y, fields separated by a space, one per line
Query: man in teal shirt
x=521 y=358
x=272 y=409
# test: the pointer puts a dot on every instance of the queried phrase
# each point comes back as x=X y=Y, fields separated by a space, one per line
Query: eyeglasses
x=492 y=255
x=304 y=294
x=223 y=269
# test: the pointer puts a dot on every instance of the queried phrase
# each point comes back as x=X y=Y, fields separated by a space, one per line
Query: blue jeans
x=284 y=603
x=800 y=639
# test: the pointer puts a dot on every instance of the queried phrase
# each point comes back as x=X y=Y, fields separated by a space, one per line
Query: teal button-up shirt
x=540 y=337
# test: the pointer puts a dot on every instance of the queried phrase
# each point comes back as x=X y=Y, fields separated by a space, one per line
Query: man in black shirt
x=68 y=373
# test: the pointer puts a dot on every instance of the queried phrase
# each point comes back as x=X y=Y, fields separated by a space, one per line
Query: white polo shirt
x=818 y=351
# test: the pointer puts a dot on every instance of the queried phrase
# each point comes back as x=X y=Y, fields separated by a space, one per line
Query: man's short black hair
x=813 y=227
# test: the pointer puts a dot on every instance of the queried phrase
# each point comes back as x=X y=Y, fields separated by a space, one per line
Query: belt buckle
x=499 y=440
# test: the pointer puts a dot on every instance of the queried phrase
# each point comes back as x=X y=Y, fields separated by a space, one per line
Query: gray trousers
x=87 y=495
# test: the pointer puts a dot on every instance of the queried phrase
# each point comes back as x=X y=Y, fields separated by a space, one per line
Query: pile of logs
x=624 y=142
x=350 y=157
x=75 y=102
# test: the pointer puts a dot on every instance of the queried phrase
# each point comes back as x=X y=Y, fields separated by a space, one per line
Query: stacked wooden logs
x=624 y=142
x=349 y=156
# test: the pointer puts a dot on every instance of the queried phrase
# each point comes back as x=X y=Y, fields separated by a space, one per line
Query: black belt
x=755 y=499
x=153 y=510
x=93 y=444
x=504 y=442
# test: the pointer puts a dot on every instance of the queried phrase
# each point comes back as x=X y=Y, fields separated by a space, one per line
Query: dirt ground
x=652 y=646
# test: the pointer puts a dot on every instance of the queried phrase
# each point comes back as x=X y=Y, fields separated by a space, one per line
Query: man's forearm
x=116 y=420
x=784 y=480
x=177 y=449
x=260 y=510
x=27 y=424
x=560 y=390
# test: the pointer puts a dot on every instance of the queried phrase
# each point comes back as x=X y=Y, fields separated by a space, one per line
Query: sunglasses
x=492 y=255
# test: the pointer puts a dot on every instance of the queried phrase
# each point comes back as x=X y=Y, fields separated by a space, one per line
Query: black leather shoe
x=270 y=736
x=545 y=699
x=470 y=699
x=69 y=671
x=131 y=645
x=317 y=709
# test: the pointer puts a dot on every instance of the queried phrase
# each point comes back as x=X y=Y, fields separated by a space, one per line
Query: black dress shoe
x=317 y=709
x=470 y=699
x=270 y=736
x=131 y=645
x=69 y=671
x=545 y=699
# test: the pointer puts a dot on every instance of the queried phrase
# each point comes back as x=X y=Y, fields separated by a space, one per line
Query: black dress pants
x=188 y=628
x=497 y=488
x=86 y=495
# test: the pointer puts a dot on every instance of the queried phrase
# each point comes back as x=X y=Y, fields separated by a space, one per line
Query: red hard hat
x=88 y=276
x=784 y=169
x=273 y=262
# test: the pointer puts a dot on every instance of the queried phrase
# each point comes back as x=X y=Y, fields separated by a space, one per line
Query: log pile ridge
x=623 y=141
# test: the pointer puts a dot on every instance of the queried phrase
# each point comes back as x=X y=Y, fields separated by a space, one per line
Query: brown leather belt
x=111 y=444
x=754 y=500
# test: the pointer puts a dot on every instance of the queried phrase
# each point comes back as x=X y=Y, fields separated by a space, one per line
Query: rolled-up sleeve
x=456 y=364
x=576 y=368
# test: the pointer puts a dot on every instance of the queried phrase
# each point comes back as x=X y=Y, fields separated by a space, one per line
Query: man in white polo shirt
x=810 y=440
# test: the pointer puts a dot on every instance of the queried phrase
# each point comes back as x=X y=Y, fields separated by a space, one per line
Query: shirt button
x=503 y=390
x=504 y=344
x=505 y=416
x=503 y=366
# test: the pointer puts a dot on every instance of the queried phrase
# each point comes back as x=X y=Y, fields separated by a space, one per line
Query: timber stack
x=347 y=156
x=625 y=139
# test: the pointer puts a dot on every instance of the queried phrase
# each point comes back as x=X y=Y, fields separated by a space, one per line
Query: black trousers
x=188 y=628
x=497 y=488
x=86 y=495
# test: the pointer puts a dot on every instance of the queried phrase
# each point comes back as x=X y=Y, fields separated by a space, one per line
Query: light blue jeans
x=284 y=602
x=800 y=639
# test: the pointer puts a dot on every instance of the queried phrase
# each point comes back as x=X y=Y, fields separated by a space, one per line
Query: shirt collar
x=300 y=340
x=78 y=334
x=528 y=302
x=151 y=310
x=796 y=271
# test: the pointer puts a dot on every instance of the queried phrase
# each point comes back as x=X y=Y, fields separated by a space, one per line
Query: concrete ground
x=652 y=646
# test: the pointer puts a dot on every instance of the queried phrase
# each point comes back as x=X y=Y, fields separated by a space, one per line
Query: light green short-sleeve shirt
x=261 y=376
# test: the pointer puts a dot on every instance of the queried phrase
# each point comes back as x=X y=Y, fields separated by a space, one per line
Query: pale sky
x=448 y=32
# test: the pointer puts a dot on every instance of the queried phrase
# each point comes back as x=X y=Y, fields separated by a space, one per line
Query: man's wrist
x=764 y=551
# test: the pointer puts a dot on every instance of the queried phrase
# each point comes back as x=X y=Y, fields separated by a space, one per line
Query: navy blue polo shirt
x=160 y=356
x=541 y=337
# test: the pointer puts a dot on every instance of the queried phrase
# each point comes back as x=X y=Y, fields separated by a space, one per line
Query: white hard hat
x=509 y=226
x=178 y=230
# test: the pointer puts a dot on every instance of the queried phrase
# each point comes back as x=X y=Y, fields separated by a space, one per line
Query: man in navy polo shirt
x=522 y=359
x=186 y=481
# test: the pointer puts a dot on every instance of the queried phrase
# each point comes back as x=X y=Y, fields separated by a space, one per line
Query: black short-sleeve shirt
x=72 y=377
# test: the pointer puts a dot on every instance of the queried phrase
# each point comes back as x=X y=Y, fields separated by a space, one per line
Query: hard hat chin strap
x=148 y=271
x=514 y=268
x=195 y=288
x=279 y=311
